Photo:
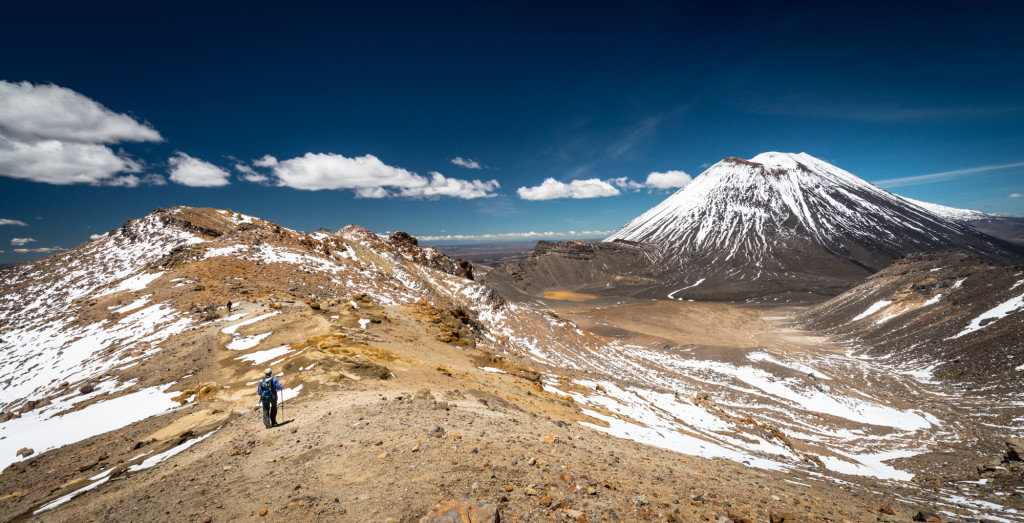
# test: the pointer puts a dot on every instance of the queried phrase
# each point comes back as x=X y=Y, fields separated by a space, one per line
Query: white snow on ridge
x=155 y=459
x=36 y=359
x=134 y=305
x=672 y=294
x=223 y=251
x=809 y=399
x=135 y=283
x=41 y=432
x=231 y=329
x=877 y=306
x=791 y=364
x=661 y=431
x=264 y=356
x=247 y=342
x=950 y=213
x=995 y=314
x=872 y=465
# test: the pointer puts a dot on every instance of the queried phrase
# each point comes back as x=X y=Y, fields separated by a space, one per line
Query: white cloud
x=553 y=189
x=5 y=221
x=466 y=162
x=97 y=236
x=626 y=184
x=668 y=180
x=369 y=177
x=61 y=163
x=40 y=249
x=1016 y=195
x=193 y=172
x=250 y=175
x=50 y=112
x=266 y=161
x=517 y=236
x=372 y=192
x=51 y=134
x=133 y=181
x=316 y=171
x=452 y=187
x=18 y=242
x=153 y=179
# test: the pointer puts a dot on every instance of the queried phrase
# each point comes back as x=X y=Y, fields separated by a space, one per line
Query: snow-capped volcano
x=784 y=215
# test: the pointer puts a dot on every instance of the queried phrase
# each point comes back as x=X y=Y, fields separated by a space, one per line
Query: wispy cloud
x=5 y=221
x=18 y=242
x=938 y=177
x=635 y=135
x=466 y=162
x=532 y=235
x=1016 y=195
x=44 y=250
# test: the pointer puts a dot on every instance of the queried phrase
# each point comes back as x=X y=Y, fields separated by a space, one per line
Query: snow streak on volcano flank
x=781 y=214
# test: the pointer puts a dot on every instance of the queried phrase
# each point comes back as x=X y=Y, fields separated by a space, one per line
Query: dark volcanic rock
x=597 y=266
x=954 y=310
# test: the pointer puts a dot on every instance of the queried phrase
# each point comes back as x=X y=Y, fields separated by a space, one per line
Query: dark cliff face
x=560 y=265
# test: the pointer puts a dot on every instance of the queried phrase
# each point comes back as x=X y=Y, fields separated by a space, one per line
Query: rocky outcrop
x=602 y=266
x=461 y=512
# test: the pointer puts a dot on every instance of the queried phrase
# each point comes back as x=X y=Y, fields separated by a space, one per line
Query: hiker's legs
x=273 y=412
x=267 y=413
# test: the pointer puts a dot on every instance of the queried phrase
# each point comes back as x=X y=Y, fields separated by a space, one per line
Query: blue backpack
x=267 y=392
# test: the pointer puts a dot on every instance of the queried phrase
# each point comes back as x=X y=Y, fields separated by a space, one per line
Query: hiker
x=267 y=390
x=229 y=306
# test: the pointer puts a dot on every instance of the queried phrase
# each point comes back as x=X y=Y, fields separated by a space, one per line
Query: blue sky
x=108 y=111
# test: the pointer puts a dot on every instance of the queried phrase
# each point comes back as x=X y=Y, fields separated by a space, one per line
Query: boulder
x=1014 y=449
x=464 y=268
x=25 y=452
x=455 y=512
x=927 y=516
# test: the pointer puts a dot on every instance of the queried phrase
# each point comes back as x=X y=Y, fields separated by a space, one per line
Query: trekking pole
x=283 y=418
x=256 y=426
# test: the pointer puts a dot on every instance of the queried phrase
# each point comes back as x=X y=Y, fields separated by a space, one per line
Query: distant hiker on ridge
x=267 y=390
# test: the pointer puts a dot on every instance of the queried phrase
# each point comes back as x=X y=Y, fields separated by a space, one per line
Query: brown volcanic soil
x=363 y=449
x=682 y=323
